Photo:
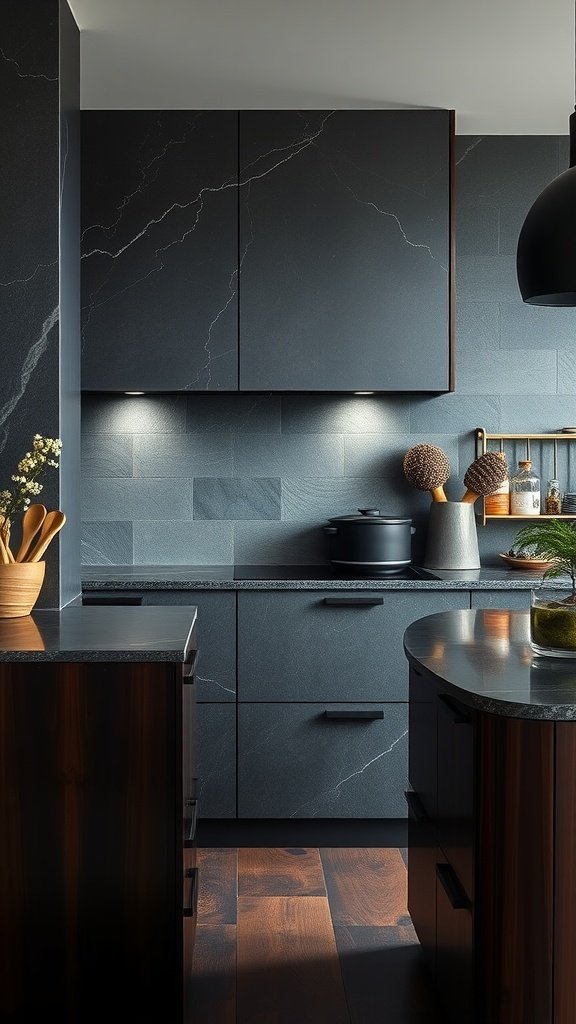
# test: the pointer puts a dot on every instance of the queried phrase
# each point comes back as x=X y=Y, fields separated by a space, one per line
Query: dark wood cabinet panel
x=159 y=250
x=91 y=841
x=295 y=762
x=345 y=250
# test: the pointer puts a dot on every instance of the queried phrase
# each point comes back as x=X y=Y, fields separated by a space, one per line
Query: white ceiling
x=505 y=66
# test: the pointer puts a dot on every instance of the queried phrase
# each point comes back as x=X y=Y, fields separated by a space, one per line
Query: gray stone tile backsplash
x=252 y=478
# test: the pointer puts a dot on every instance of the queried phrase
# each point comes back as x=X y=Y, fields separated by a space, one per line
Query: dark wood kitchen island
x=97 y=812
x=492 y=817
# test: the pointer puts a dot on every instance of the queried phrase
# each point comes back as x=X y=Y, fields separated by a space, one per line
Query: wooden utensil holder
x=20 y=586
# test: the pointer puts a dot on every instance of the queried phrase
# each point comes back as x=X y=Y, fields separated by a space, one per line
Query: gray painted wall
x=208 y=479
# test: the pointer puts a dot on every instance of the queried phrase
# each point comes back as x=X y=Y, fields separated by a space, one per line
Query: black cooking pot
x=370 y=542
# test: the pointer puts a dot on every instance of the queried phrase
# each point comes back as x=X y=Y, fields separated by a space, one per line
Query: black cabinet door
x=344 y=250
x=456 y=787
x=159 y=250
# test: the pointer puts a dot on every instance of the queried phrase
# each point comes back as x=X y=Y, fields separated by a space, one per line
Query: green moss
x=554 y=626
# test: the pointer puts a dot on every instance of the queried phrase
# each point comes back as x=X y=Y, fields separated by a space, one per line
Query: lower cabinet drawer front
x=422 y=858
x=216 y=760
x=295 y=762
x=454 y=946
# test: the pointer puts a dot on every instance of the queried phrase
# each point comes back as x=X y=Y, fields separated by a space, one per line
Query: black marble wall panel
x=159 y=250
x=344 y=244
x=515 y=371
x=39 y=260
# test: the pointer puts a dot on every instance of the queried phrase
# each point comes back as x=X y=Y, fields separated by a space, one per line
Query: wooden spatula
x=32 y=520
x=53 y=522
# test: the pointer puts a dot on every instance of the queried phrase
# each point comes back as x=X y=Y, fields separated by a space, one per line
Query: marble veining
x=21 y=72
x=30 y=363
x=336 y=789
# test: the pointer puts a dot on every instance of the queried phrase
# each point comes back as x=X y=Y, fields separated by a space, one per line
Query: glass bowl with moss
x=553 y=609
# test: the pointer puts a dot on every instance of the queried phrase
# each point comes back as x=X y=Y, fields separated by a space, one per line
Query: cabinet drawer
x=216 y=630
x=456 y=798
x=454 y=946
x=216 y=760
x=422 y=857
x=295 y=646
x=423 y=746
x=296 y=762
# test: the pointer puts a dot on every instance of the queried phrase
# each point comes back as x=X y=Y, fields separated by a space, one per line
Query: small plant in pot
x=553 y=611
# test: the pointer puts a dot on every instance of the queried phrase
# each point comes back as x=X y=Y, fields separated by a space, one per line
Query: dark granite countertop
x=492 y=576
x=100 y=634
x=484 y=659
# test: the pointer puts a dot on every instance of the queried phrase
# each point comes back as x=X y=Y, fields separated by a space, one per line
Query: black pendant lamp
x=546 y=253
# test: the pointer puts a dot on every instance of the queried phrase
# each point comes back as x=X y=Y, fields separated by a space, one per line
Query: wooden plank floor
x=307 y=936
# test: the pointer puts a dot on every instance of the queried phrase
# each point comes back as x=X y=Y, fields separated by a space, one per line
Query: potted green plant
x=553 y=612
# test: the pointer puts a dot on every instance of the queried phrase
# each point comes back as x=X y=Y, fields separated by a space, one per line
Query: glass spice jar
x=553 y=502
x=525 y=491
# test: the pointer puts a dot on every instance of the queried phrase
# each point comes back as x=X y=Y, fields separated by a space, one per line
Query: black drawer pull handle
x=190 y=821
x=416 y=807
x=189 y=909
x=455 y=713
x=353 y=602
x=354 y=716
x=114 y=601
x=451 y=885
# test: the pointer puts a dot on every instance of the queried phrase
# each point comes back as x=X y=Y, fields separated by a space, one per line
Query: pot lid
x=370 y=515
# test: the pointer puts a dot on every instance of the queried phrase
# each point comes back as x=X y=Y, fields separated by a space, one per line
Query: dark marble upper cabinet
x=159 y=250
x=345 y=251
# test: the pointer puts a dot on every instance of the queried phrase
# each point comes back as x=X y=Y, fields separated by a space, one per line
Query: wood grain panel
x=366 y=886
x=385 y=976
x=565 y=876
x=288 y=966
x=90 y=829
x=514 y=903
x=293 y=871
x=218 y=889
x=213 y=980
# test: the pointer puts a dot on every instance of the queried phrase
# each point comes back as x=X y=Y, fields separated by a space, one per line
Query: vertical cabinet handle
x=191 y=884
x=189 y=667
x=451 y=884
x=353 y=602
x=456 y=713
x=190 y=820
x=416 y=807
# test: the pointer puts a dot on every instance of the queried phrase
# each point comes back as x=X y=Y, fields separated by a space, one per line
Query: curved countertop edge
x=142 y=577
x=544 y=688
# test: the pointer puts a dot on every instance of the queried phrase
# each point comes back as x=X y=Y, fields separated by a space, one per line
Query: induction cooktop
x=325 y=572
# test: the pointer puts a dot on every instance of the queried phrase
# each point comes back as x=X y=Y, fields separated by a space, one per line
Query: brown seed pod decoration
x=427 y=467
x=485 y=474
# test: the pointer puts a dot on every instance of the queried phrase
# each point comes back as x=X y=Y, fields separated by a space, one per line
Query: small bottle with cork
x=525 y=491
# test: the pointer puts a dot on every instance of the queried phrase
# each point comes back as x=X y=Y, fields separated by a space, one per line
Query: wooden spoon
x=32 y=520
x=4 y=560
x=53 y=522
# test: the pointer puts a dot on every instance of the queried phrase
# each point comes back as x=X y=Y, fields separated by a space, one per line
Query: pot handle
x=330 y=529
x=412 y=530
